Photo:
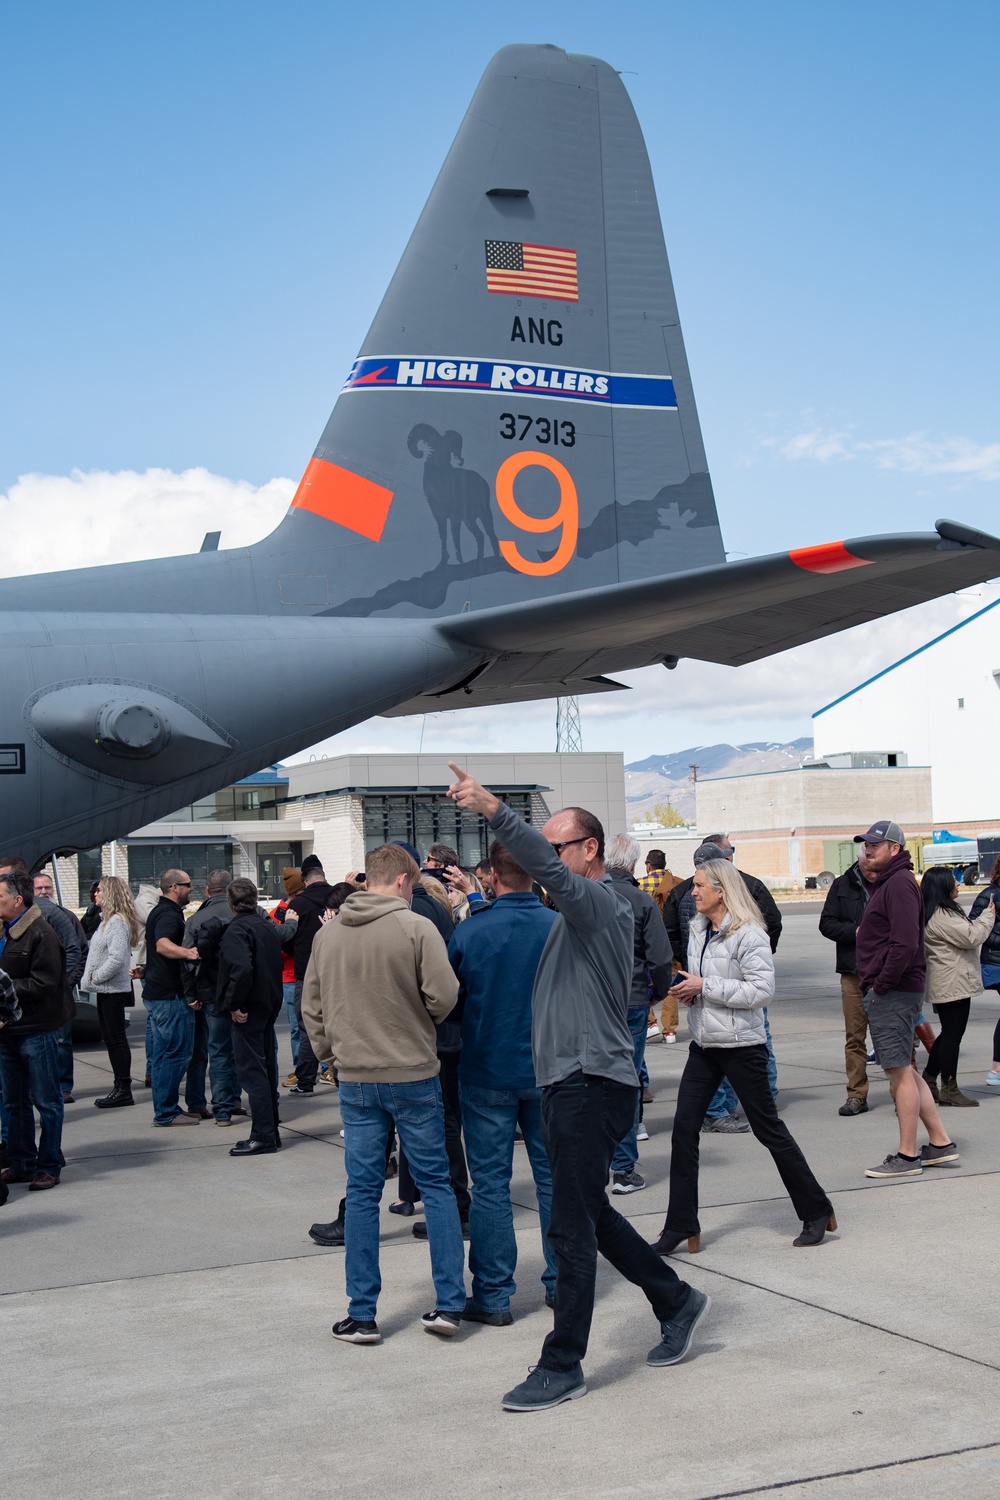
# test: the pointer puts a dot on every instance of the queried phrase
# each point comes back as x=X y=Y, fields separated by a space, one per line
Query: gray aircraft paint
x=133 y=689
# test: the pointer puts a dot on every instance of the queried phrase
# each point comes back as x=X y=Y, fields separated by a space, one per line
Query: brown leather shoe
x=9 y=1175
x=201 y=1114
x=41 y=1181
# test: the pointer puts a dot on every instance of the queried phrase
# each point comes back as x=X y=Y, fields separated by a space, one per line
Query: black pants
x=746 y=1069
x=954 y=1017
x=458 y=1170
x=111 y=1019
x=307 y=1063
x=583 y=1119
x=257 y=1070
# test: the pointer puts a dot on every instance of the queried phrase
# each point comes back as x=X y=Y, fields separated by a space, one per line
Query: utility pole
x=568 y=735
x=694 y=773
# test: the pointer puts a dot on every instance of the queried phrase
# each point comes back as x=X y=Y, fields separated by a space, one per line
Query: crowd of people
x=458 y=1012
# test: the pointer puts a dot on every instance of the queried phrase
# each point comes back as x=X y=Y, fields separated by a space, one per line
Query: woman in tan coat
x=951 y=943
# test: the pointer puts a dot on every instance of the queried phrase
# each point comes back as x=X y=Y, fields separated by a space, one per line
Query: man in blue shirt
x=495 y=954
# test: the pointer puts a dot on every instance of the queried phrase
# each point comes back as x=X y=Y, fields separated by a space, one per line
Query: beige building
x=793 y=825
x=340 y=807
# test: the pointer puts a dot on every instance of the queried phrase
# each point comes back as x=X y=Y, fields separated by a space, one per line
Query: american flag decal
x=531 y=271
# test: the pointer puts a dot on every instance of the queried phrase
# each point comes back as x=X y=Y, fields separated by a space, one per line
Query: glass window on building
x=271 y=860
x=429 y=818
x=146 y=863
x=88 y=867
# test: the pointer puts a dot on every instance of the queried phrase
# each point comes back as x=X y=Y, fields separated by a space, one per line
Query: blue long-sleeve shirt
x=581 y=992
x=495 y=953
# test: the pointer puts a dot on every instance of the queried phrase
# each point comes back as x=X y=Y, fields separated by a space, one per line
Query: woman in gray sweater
x=107 y=973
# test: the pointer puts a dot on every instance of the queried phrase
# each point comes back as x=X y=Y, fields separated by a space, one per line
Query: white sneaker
x=670 y=1036
x=993 y=1078
x=642 y=1134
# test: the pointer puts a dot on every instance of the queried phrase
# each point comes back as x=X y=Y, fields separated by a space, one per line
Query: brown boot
x=950 y=1093
x=925 y=1031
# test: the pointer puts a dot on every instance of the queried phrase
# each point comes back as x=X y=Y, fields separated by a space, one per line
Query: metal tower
x=568 y=735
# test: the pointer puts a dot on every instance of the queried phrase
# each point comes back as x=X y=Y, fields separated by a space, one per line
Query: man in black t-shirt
x=170 y=1032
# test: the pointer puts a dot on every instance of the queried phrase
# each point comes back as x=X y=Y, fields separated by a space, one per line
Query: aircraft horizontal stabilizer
x=733 y=613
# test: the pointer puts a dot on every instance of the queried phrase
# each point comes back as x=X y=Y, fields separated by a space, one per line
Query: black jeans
x=111 y=1019
x=954 y=1017
x=257 y=1070
x=307 y=1063
x=458 y=1170
x=746 y=1069
x=583 y=1119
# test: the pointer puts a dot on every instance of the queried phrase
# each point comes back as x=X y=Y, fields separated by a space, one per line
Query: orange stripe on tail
x=338 y=495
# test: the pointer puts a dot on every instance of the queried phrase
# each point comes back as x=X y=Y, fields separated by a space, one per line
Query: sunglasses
x=566 y=843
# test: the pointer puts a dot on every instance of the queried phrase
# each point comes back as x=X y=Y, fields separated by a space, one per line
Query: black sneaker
x=298 y=1089
x=350 y=1331
x=498 y=1318
x=678 y=1333
x=854 y=1107
x=544 y=1389
x=627 y=1182
x=446 y=1324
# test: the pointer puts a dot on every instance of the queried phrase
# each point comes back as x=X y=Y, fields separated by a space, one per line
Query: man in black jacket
x=249 y=993
x=651 y=964
x=213 y=1043
x=303 y=920
x=842 y=910
x=29 y=1048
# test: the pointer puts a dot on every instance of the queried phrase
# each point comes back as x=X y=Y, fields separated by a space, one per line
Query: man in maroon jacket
x=892 y=972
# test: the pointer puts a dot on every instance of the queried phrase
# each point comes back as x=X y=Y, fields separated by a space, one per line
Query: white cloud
x=914 y=454
x=56 y=521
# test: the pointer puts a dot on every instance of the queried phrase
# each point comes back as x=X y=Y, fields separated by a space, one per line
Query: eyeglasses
x=566 y=843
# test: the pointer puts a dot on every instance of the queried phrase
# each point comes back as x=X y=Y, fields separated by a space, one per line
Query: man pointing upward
x=583 y=1062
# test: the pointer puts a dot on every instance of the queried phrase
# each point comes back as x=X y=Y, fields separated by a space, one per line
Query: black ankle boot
x=332 y=1233
x=120 y=1095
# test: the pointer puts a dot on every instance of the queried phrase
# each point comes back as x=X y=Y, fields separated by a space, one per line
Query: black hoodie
x=308 y=906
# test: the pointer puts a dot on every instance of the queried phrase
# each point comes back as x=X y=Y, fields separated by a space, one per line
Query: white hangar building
x=938 y=707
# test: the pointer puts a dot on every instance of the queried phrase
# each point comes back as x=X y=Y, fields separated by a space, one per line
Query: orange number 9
x=567 y=516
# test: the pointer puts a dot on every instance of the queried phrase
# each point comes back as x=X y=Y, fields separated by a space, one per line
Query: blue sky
x=203 y=204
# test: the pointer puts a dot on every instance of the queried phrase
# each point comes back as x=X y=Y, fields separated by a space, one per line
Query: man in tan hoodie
x=378 y=978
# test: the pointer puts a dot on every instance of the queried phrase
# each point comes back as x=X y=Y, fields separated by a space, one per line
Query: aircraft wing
x=732 y=613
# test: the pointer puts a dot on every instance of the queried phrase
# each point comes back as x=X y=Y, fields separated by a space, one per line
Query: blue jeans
x=627 y=1154
x=29 y=1066
x=288 y=994
x=724 y=1101
x=489 y=1120
x=171 y=1036
x=213 y=1052
x=369 y=1111
x=65 y=1044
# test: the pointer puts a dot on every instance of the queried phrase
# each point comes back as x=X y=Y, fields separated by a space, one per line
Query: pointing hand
x=469 y=795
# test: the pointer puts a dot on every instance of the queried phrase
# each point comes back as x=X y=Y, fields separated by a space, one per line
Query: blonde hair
x=116 y=901
x=742 y=908
x=435 y=888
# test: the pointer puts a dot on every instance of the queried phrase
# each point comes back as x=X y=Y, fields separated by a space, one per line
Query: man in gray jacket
x=652 y=962
x=583 y=1055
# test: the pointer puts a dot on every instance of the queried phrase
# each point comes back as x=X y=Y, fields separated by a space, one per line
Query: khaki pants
x=669 y=1018
x=856 y=1037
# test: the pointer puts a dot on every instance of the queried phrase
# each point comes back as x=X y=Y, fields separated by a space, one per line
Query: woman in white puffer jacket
x=728 y=981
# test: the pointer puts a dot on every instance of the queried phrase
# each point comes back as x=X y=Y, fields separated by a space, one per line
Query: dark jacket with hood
x=891 y=932
x=309 y=905
x=204 y=930
x=841 y=915
x=33 y=957
x=249 y=969
x=989 y=953
x=653 y=960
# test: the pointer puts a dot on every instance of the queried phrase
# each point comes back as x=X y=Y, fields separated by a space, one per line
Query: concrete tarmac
x=165 y=1319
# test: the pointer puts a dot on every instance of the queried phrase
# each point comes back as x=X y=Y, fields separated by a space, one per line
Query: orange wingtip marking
x=831 y=557
x=338 y=495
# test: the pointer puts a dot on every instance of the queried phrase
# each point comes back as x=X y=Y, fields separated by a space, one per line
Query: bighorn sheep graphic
x=457 y=496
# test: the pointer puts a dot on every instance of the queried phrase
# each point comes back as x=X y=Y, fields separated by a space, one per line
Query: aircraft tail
x=520 y=420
